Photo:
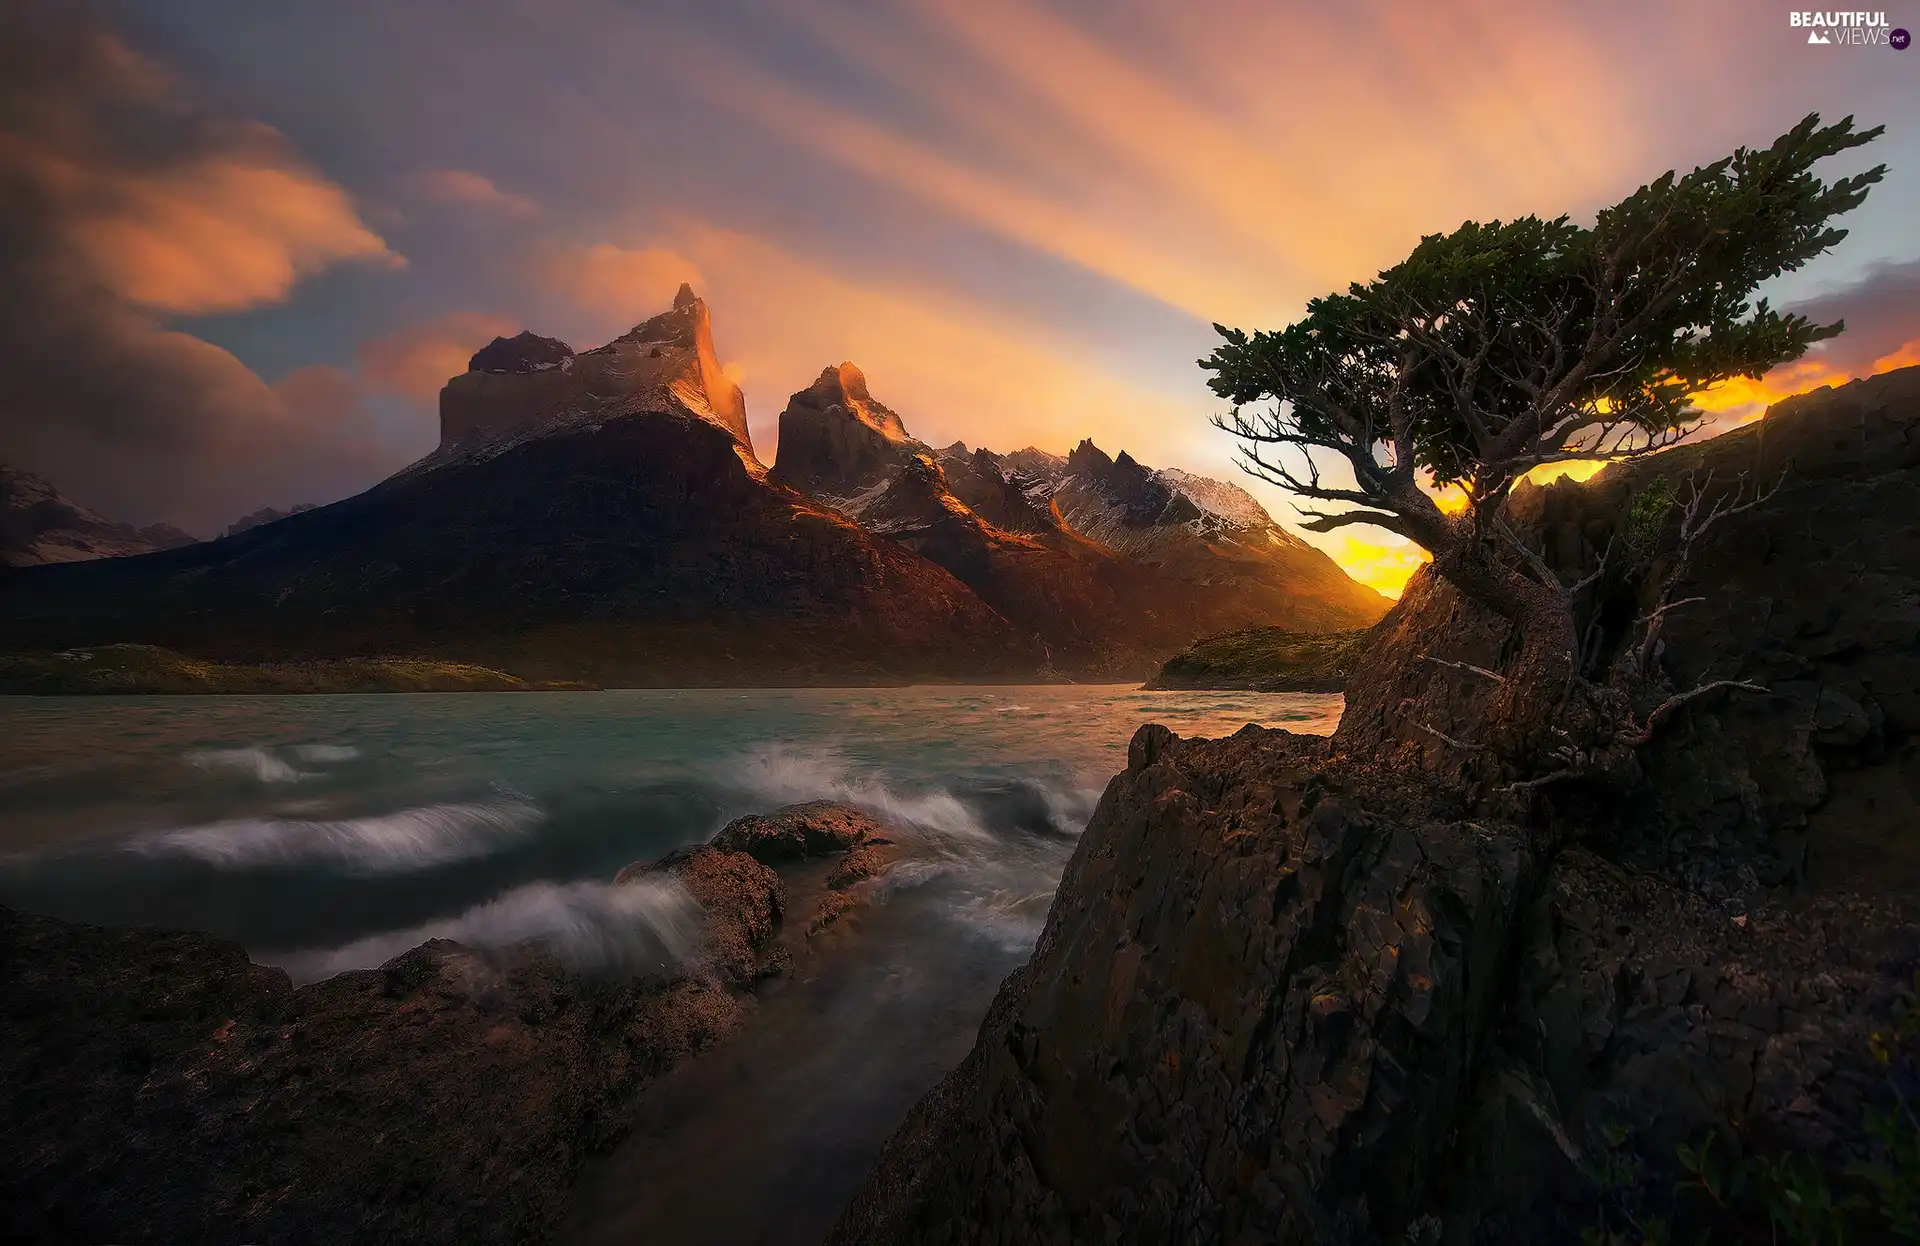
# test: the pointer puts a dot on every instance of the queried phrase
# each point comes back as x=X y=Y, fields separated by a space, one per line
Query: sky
x=242 y=245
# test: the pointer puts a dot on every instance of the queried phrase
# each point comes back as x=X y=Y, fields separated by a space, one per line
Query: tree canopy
x=1505 y=345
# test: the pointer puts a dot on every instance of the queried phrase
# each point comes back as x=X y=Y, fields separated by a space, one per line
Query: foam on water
x=266 y=765
x=646 y=926
x=259 y=762
x=387 y=843
x=777 y=774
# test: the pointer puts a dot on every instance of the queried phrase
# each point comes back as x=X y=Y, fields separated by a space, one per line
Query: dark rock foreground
x=161 y=1088
x=1306 y=991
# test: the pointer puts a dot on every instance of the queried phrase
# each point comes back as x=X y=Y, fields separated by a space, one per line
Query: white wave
x=785 y=776
x=321 y=754
x=387 y=843
x=646 y=926
x=259 y=762
x=1011 y=920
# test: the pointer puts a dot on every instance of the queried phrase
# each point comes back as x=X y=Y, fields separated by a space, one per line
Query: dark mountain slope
x=625 y=534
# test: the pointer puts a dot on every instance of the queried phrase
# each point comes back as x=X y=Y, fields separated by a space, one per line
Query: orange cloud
x=1158 y=154
x=458 y=188
x=1743 y=400
x=955 y=369
x=415 y=362
x=221 y=235
x=618 y=286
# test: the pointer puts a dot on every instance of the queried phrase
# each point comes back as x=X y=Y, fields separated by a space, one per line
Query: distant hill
x=1266 y=659
x=39 y=525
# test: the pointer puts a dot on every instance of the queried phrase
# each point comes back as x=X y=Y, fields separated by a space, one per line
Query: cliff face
x=836 y=441
x=1811 y=595
x=1291 y=990
x=39 y=525
x=529 y=385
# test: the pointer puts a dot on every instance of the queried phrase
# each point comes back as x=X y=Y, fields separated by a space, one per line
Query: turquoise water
x=327 y=833
x=330 y=833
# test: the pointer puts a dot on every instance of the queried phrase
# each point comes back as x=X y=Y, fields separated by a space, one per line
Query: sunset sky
x=243 y=244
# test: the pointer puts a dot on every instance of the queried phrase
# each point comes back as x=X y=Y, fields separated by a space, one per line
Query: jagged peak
x=526 y=385
x=844 y=385
x=1087 y=458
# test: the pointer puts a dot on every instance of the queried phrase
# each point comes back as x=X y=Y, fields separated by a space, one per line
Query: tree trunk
x=1521 y=720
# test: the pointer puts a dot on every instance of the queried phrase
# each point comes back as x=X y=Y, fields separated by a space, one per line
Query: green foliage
x=1783 y=1199
x=1503 y=343
x=1893 y=1173
x=1647 y=515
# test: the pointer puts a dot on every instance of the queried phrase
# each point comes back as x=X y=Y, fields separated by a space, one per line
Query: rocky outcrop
x=1286 y=996
x=1255 y=1006
x=161 y=1087
x=524 y=352
x=1266 y=659
x=1298 y=991
x=1811 y=595
x=38 y=525
x=817 y=828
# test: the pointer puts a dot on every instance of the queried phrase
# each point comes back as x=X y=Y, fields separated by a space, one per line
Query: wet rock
x=817 y=828
x=162 y=1088
x=870 y=860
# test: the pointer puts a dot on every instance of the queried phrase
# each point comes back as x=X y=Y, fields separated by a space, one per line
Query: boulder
x=817 y=828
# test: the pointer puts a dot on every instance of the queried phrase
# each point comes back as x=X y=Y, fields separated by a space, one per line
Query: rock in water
x=817 y=828
x=162 y=1088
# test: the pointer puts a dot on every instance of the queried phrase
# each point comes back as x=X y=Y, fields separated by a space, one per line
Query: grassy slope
x=147 y=669
x=1265 y=659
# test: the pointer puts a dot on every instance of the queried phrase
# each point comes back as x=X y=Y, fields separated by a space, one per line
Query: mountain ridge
x=601 y=514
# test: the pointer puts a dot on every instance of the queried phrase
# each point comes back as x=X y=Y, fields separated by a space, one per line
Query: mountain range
x=602 y=514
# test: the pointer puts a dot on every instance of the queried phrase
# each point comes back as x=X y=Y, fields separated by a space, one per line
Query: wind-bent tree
x=1503 y=346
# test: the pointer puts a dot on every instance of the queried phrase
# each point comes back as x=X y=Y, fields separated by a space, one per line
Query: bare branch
x=1663 y=710
x=1444 y=738
x=1468 y=667
x=1530 y=555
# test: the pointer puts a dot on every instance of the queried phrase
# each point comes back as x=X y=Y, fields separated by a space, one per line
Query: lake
x=328 y=833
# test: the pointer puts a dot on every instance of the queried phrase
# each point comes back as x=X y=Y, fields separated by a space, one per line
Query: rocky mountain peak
x=836 y=440
x=1087 y=459
x=526 y=351
x=528 y=386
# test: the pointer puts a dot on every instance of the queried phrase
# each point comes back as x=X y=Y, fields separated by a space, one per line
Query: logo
x=1860 y=30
